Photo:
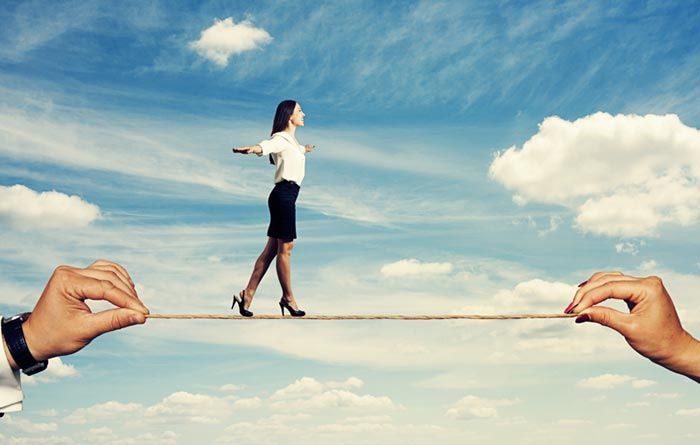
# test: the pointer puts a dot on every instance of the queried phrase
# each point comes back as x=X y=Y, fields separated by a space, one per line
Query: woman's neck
x=291 y=129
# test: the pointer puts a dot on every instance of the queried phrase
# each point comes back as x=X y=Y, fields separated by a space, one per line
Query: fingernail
x=583 y=284
x=568 y=308
x=583 y=318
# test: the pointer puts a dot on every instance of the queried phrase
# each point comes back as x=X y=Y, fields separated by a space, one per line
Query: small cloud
x=554 y=222
x=605 y=381
x=637 y=404
x=473 y=407
x=56 y=370
x=630 y=248
x=648 y=265
x=412 y=266
x=225 y=38
x=642 y=383
x=24 y=208
x=663 y=395
x=693 y=412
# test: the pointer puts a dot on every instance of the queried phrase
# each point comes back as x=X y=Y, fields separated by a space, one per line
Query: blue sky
x=471 y=158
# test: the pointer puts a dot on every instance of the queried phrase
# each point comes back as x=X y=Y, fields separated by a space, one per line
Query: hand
x=247 y=150
x=652 y=327
x=61 y=323
x=309 y=148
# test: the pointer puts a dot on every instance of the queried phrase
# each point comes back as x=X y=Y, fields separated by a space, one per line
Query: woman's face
x=297 y=117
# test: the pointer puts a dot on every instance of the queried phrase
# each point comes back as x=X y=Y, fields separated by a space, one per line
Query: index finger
x=627 y=290
x=121 y=268
x=94 y=289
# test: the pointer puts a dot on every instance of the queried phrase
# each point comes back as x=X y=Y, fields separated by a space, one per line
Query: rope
x=358 y=317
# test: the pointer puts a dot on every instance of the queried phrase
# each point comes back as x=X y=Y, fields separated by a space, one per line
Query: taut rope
x=359 y=317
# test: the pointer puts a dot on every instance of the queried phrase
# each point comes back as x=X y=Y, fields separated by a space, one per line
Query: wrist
x=686 y=359
x=33 y=344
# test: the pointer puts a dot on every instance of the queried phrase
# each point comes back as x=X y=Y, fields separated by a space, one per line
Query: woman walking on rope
x=289 y=158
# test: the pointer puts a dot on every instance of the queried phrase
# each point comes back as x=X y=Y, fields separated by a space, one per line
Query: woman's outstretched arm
x=257 y=149
x=652 y=327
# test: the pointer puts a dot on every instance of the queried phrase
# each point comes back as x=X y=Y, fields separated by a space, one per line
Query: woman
x=289 y=158
x=652 y=327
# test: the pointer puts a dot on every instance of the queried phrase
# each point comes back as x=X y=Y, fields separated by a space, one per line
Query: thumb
x=112 y=320
x=605 y=316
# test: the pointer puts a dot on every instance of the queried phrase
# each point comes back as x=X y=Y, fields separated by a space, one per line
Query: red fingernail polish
x=583 y=318
x=583 y=284
x=568 y=308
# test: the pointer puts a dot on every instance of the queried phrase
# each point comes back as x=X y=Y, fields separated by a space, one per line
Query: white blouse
x=288 y=154
x=10 y=389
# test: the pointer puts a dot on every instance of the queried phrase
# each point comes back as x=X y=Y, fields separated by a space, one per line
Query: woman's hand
x=652 y=327
x=309 y=148
x=247 y=150
x=61 y=323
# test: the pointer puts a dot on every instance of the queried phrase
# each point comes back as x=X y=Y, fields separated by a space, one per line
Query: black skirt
x=282 y=205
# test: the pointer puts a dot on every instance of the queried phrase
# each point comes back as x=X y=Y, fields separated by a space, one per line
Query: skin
x=652 y=327
x=275 y=247
x=62 y=323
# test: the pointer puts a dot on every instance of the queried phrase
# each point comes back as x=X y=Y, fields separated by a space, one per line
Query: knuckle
x=655 y=281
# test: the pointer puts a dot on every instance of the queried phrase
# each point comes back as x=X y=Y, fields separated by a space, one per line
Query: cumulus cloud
x=188 y=407
x=408 y=267
x=225 y=38
x=24 y=208
x=609 y=381
x=28 y=426
x=694 y=412
x=310 y=393
x=623 y=175
x=473 y=407
x=56 y=370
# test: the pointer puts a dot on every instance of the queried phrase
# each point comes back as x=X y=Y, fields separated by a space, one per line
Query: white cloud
x=409 y=267
x=102 y=412
x=27 y=426
x=473 y=407
x=310 y=393
x=24 y=208
x=642 y=383
x=249 y=403
x=627 y=247
x=226 y=38
x=694 y=412
x=648 y=265
x=55 y=370
x=609 y=381
x=623 y=175
x=605 y=381
x=188 y=407
x=663 y=395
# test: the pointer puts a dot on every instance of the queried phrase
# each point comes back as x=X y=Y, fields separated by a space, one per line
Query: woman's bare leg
x=261 y=265
x=284 y=270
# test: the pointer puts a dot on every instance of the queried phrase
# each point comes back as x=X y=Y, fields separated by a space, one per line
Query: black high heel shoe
x=293 y=312
x=239 y=299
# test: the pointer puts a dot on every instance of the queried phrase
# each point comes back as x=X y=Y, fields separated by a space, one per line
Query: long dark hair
x=284 y=110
